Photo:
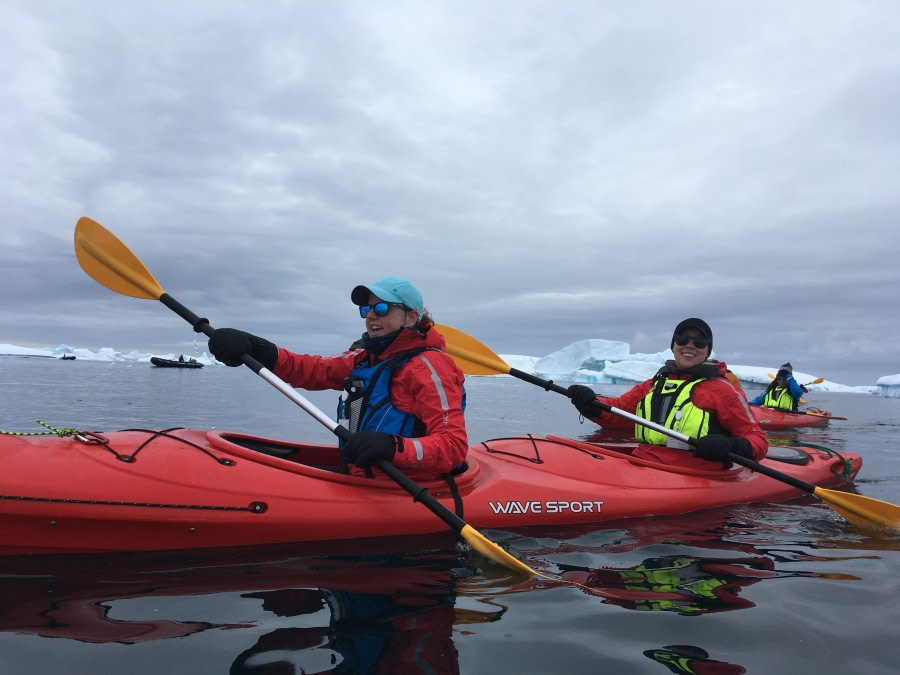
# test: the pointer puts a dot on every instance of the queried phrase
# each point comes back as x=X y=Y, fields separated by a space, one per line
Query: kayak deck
x=144 y=490
x=771 y=420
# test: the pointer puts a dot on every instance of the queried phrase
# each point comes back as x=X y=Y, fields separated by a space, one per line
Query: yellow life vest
x=668 y=403
x=780 y=398
x=678 y=575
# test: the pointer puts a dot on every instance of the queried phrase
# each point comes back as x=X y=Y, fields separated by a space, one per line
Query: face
x=689 y=355
x=396 y=318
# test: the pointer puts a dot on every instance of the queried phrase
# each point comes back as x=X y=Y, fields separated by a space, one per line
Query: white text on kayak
x=513 y=507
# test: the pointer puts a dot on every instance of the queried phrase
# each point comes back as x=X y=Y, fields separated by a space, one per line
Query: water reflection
x=686 y=584
x=340 y=614
x=691 y=659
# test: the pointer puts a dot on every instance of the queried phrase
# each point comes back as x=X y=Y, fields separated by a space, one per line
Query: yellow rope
x=59 y=432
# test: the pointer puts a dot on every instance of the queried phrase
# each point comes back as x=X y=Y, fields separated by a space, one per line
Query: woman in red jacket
x=691 y=395
x=405 y=396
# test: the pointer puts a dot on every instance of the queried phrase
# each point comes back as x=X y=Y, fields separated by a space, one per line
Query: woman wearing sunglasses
x=690 y=394
x=783 y=393
x=405 y=396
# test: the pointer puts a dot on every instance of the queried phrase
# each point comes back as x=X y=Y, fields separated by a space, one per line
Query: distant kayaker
x=691 y=395
x=783 y=393
x=405 y=396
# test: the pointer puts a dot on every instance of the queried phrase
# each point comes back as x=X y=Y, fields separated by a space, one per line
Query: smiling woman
x=691 y=395
x=404 y=401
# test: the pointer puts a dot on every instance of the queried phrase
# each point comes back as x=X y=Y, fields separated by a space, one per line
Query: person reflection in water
x=678 y=583
x=693 y=660
x=405 y=632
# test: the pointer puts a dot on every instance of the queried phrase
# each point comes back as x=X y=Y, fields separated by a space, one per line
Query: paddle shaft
x=805 y=412
x=419 y=493
x=737 y=459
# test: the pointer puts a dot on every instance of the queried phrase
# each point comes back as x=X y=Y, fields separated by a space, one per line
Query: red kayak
x=770 y=419
x=141 y=490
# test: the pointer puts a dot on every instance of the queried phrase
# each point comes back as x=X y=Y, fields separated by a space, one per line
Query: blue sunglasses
x=380 y=308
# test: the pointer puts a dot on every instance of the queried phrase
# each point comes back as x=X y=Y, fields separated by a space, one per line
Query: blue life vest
x=368 y=404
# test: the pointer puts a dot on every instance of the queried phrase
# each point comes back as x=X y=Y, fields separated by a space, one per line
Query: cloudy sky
x=544 y=171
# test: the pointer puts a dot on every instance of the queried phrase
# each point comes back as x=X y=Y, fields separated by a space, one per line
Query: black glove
x=229 y=344
x=367 y=447
x=583 y=399
x=717 y=447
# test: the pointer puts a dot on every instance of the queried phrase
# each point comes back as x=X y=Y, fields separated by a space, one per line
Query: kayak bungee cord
x=845 y=474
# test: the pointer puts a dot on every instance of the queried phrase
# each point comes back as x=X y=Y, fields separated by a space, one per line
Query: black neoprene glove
x=582 y=398
x=229 y=344
x=716 y=448
x=367 y=447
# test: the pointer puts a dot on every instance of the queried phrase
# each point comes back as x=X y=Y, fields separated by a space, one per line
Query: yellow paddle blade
x=489 y=549
x=863 y=512
x=472 y=357
x=111 y=263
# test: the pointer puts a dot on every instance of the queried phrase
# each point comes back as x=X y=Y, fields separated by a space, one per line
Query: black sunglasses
x=700 y=342
x=380 y=308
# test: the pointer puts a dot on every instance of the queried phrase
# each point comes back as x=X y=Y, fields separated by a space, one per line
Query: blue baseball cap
x=390 y=289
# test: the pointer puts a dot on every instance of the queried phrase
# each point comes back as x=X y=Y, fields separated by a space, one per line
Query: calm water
x=786 y=588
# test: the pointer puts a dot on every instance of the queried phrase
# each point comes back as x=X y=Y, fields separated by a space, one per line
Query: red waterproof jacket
x=718 y=396
x=435 y=397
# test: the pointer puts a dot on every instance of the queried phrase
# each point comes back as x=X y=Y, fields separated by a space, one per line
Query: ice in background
x=592 y=361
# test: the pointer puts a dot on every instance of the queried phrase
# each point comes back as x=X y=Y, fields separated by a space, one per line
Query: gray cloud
x=545 y=175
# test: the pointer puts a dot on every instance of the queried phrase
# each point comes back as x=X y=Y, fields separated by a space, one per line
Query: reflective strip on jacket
x=429 y=387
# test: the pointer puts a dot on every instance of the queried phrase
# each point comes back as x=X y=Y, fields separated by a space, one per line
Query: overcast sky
x=544 y=171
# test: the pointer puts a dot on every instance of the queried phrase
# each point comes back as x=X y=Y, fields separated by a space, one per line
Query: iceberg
x=608 y=362
x=591 y=361
x=888 y=386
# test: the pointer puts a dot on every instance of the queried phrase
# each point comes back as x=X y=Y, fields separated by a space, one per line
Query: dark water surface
x=783 y=588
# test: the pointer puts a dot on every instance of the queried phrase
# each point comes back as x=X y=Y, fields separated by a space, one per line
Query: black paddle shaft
x=201 y=325
x=737 y=459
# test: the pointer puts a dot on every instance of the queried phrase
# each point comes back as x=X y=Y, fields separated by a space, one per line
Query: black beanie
x=699 y=324
x=786 y=368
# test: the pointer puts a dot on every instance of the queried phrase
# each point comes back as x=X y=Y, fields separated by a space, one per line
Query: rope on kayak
x=93 y=438
x=257 y=507
x=847 y=471
x=537 y=455
x=59 y=432
x=154 y=435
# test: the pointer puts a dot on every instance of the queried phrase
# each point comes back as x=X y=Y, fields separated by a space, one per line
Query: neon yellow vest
x=668 y=580
x=780 y=399
x=670 y=400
